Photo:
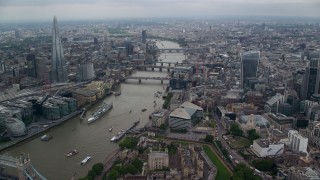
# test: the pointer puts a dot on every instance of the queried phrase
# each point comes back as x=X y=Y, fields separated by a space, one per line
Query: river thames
x=94 y=139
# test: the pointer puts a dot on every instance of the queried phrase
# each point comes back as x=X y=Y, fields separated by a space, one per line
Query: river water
x=94 y=139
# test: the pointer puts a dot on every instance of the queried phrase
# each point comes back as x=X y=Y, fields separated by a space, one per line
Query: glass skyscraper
x=311 y=80
x=58 y=64
x=249 y=66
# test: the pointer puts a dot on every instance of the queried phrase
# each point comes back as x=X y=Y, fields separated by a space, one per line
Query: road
x=232 y=152
x=221 y=132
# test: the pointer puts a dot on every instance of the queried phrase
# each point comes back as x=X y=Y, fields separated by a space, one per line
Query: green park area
x=238 y=142
x=223 y=172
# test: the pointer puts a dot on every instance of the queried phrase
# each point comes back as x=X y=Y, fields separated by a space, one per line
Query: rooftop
x=188 y=104
x=265 y=143
x=260 y=120
x=180 y=113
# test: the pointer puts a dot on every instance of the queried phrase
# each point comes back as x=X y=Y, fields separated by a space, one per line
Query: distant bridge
x=181 y=50
x=24 y=166
x=152 y=67
x=172 y=50
x=148 y=78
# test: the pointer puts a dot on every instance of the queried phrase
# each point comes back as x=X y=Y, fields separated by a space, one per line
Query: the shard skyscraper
x=58 y=64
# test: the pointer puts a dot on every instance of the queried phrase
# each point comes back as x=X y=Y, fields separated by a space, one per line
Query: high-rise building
x=86 y=72
x=311 y=80
x=31 y=65
x=249 y=66
x=297 y=142
x=144 y=36
x=43 y=70
x=2 y=66
x=58 y=64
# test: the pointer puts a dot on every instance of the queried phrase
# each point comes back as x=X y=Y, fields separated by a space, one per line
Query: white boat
x=105 y=107
x=86 y=160
x=71 y=153
x=46 y=137
x=110 y=129
x=113 y=138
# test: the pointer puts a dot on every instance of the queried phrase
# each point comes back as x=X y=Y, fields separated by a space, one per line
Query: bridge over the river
x=152 y=67
x=172 y=50
x=24 y=166
x=148 y=78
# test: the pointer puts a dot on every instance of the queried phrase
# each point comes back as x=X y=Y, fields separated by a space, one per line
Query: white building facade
x=264 y=148
x=297 y=142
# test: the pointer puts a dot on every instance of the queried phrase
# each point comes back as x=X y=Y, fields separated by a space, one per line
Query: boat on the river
x=86 y=160
x=105 y=107
x=71 y=153
x=46 y=137
x=111 y=129
x=144 y=109
x=117 y=93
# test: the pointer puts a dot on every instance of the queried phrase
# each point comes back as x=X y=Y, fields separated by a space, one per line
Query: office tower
x=144 y=36
x=249 y=66
x=2 y=66
x=58 y=65
x=17 y=33
x=31 y=65
x=311 y=80
x=86 y=72
x=43 y=69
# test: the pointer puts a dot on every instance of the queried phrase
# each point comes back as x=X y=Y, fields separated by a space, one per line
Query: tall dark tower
x=58 y=64
x=31 y=65
x=311 y=80
x=144 y=36
x=249 y=66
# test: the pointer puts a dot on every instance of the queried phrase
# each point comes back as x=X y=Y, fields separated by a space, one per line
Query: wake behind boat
x=105 y=107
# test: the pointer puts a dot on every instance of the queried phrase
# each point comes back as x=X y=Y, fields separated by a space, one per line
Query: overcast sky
x=100 y=9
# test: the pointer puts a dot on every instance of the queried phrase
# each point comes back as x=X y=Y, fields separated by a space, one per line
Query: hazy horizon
x=39 y=10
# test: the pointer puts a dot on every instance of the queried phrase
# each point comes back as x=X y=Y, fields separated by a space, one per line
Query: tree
x=97 y=168
x=242 y=172
x=212 y=124
x=172 y=149
x=252 y=135
x=129 y=143
x=265 y=165
x=91 y=175
x=130 y=169
x=209 y=138
x=137 y=164
x=163 y=126
x=235 y=130
x=114 y=174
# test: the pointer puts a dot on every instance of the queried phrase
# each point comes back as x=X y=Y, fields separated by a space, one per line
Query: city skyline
x=18 y=10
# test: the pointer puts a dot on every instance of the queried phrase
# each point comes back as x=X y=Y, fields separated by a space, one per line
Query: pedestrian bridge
x=24 y=166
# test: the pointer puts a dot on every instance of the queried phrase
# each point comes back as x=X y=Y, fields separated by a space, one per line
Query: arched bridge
x=24 y=166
